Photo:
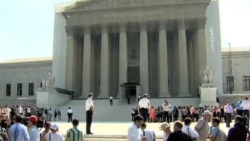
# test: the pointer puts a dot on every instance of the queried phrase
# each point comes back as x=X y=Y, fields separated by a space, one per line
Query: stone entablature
x=130 y=12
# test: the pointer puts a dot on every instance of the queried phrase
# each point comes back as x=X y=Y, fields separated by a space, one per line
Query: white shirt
x=134 y=133
x=20 y=109
x=111 y=98
x=166 y=107
x=70 y=111
x=245 y=105
x=28 y=110
x=7 y=110
x=150 y=134
x=53 y=137
x=165 y=136
x=144 y=102
x=88 y=104
x=189 y=131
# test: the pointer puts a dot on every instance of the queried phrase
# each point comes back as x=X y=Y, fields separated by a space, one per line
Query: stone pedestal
x=51 y=98
x=208 y=96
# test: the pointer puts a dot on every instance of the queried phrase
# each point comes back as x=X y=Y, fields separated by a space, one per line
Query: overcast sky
x=26 y=26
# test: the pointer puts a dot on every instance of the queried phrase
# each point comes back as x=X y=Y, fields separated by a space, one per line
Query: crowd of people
x=184 y=116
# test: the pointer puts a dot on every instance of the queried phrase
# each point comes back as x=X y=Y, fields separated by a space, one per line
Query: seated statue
x=207 y=76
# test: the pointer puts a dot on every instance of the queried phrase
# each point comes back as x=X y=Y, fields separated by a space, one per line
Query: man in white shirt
x=189 y=131
x=143 y=107
x=246 y=107
x=166 y=110
x=70 y=114
x=150 y=134
x=134 y=132
x=89 y=107
x=111 y=100
x=53 y=135
x=7 y=111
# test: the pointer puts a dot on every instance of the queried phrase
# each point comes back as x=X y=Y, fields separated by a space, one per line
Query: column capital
x=86 y=30
x=69 y=30
x=143 y=26
x=181 y=24
x=201 y=23
x=162 y=25
x=105 y=28
x=122 y=27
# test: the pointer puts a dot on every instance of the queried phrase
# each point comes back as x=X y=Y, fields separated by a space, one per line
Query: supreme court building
x=159 y=45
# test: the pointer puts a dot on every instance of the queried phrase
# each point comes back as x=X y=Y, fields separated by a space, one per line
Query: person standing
x=150 y=134
x=178 y=135
x=202 y=126
x=228 y=112
x=189 y=131
x=239 y=131
x=32 y=128
x=165 y=127
x=89 y=105
x=166 y=110
x=217 y=134
x=47 y=126
x=239 y=108
x=111 y=100
x=18 y=132
x=134 y=132
x=74 y=134
x=246 y=107
x=53 y=135
x=70 y=114
x=144 y=106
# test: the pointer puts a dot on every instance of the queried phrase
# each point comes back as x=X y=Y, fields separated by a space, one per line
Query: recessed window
x=19 y=89
x=8 y=89
x=230 y=84
x=31 y=89
x=246 y=83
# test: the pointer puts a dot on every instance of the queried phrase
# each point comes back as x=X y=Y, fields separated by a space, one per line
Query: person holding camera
x=18 y=132
x=32 y=128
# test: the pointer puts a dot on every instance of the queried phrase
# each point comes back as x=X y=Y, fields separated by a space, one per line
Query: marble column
x=183 y=85
x=104 y=73
x=144 y=58
x=123 y=58
x=70 y=59
x=163 y=61
x=201 y=45
x=86 y=79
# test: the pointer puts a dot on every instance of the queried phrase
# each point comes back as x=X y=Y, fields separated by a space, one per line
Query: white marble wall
x=213 y=39
x=24 y=73
x=59 y=51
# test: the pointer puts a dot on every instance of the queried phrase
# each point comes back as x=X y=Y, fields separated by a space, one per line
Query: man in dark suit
x=178 y=135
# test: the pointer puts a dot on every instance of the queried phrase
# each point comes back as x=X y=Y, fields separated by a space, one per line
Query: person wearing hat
x=134 y=132
x=166 y=110
x=53 y=135
x=202 y=126
x=32 y=128
x=144 y=106
x=89 y=105
x=165 y=127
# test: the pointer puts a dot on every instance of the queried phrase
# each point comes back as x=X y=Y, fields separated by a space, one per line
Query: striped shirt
x=74 y=134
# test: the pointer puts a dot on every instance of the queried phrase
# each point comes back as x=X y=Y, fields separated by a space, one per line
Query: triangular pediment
x=109 y=4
